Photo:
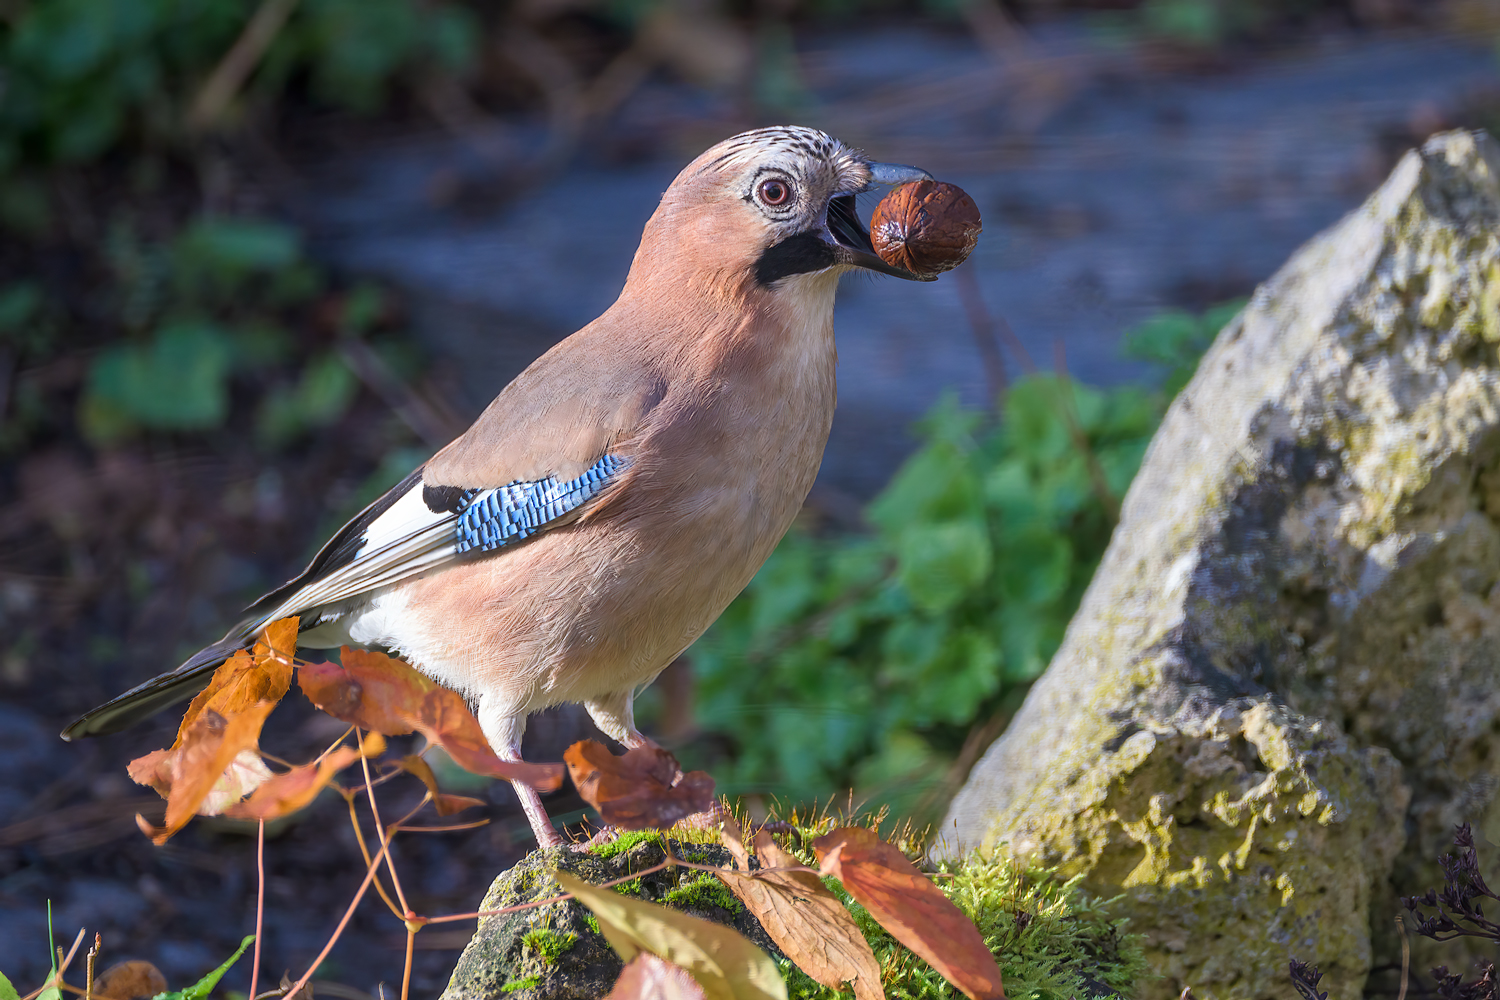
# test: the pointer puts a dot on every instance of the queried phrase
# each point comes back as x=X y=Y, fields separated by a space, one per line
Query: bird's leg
x=503 y=727
x=614 y=714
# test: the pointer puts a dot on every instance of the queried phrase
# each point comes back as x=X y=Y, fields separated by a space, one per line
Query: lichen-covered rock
x=1283 y=685
x=556 y=952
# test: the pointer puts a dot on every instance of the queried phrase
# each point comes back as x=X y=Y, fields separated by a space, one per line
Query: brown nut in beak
x=925 y=227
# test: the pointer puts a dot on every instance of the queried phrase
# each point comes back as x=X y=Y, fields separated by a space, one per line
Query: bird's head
x=767 y=205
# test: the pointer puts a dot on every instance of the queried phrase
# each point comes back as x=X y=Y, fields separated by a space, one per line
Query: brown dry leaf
x=130 y=981
x=912 y=908
x=212 y=765
x=647 y=977
x=286 y=793
x=808 y=923
x=445 y=720
x=643 y=789
x=248 y=678
x=386 y=695
x=722 y=961
x=371 y=690
x=445 y=803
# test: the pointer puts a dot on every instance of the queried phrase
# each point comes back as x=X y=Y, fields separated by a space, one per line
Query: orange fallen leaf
x=446 y=804
x=286 y=793
x=212 y=766
x=807 y=922
x=130 y=981
x=643 y=789
x=248 y=677
x=914 y=910
x=647 y=977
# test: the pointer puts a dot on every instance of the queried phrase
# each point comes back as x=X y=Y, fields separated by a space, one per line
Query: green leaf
x=940 y=563
x=235 y=246
x=51 y=992
x=203 y=987
x=7 y=991
x=320 y=397
x=724 y=962
x=176 y=381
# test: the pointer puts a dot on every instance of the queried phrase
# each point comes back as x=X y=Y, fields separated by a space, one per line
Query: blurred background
x=259 y=258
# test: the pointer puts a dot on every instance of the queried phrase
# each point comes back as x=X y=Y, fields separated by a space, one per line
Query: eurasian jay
x=618 y=494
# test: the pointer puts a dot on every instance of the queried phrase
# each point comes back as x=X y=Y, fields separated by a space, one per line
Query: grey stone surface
x=1282 y=688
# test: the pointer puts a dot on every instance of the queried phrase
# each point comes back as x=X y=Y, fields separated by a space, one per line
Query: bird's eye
x=774 y=192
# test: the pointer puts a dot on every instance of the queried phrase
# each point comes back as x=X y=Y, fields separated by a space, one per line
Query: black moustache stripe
x=798 y=254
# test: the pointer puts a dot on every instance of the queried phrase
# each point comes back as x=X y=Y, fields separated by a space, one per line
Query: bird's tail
x=145 y=700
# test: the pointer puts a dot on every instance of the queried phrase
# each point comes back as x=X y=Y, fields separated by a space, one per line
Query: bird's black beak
x=851 y=238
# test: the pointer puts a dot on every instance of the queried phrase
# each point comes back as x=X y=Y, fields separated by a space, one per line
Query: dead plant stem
x=260 y=903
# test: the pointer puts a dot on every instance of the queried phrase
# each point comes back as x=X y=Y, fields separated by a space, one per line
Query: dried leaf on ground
x=912 y=908
x=130 y=981
x=286 y=793
x=643 y=789
x=809 y=923
x=385 y=695
x=213 y=765
x=647 y=977
x=445 y=803
x=722 y=961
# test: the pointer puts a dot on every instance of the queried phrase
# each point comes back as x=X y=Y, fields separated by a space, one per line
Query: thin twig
x=260 y=903
x=436 y=427
x=390 y=865
x=758 y=873
x=385 y=842
x=93 y=956
x=983 y=328
x=411 y=941
x=447 y=829
x=1405 y=956
x=359 y=836
x=238 y=63
x=56 y=979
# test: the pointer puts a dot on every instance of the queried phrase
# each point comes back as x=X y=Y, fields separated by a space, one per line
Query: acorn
x=926 y=227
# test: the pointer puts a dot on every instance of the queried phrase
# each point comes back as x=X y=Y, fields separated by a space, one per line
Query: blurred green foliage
x=206 y=302
x=83 y=76
x=868 y=661
x=199 y=311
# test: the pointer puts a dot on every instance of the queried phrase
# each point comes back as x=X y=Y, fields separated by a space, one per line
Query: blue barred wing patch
x=490 y=519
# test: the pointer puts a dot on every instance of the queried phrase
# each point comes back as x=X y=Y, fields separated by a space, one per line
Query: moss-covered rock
x=556 y=952
x=1283 y=685
x=1053 y=941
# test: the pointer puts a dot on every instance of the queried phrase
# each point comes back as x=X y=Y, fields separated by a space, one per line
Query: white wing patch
x=409 y=538
x=406 y=517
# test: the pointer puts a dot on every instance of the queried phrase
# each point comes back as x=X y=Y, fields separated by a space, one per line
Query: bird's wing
x=558 y=441
x=417 y=527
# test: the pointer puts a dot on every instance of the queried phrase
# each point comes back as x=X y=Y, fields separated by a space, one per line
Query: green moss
x=548 y=943
x=1052 y=940
x=593 y=923
x=529 y=982
x=701 y=892
x=623 y=843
